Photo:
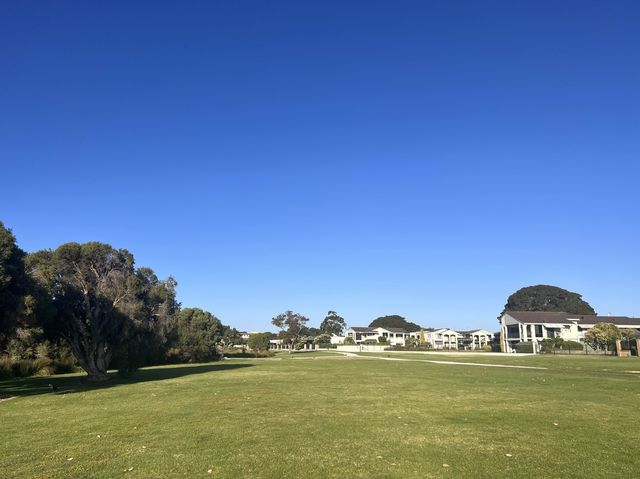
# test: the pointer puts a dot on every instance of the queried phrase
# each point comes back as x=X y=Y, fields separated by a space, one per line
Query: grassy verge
x=330 y=416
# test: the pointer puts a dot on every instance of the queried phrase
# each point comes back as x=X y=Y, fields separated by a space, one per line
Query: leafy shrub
x=382 y=340
x=348 y=340
x=370 y=341
x=239 y=353
x=29 y=367
x=487 y=348
x=524 y=347
x=6 y=371
x=572 y=346
x=547 y=345
x=424 y=347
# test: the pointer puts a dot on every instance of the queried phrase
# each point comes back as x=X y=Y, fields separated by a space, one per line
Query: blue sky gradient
x=417 y=158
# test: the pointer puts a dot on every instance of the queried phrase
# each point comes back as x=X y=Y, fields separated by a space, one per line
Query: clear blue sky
x=417 y=158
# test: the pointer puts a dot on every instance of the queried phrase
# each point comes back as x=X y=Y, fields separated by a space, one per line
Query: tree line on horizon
x=88 y=304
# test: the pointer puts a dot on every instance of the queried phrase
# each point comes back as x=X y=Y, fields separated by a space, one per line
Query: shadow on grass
x=72 y=383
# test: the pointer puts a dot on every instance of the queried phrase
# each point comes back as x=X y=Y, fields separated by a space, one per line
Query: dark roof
x=395 y=330
x=359 y=329
x=545 y=317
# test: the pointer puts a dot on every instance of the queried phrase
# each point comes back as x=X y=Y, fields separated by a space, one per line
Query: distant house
x=533 y=326
x=443 y=338
x=279 y=344
x=394 y=336
x=475 y=339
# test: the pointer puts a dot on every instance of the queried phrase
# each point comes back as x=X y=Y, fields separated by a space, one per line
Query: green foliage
x=109 y=313
x=394 y=321
x=487 y=348
x=232 y=337
x=199 y=333
x=240 y=353
x=259 y=341
x=370 y=341
x=411 y=342
x=547 y=345
x=323 y=339
x=14 y=283
x=382 y=340
x=547 y=298
x=573 y=346
x=410 y=346
x=524 y=347
x=333 y=324
x=291 y=327
x=348 y=340
x=306 y=331
x=300 y=342
x=602 y=336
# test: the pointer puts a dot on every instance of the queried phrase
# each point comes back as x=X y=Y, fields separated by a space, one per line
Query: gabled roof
x=439 y=330
x=359 y=329
x=547 y=317
x=539 y=317
x=394 y=330
x=473 y=331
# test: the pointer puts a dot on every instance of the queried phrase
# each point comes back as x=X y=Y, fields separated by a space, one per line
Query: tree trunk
x=91 y=357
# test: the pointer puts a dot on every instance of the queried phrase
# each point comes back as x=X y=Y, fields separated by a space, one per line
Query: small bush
x=6 y=371
x=244 y=354
x=173 y=355
x=487 y=348
x=572 y=346
x=524 y=347
x=424 y=347
x=24 y=367
x=43 y=366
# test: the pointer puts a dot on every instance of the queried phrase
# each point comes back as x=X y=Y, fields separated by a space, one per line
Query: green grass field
x=325 y=415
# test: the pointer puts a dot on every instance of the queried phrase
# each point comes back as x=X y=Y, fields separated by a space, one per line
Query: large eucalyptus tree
x=92 y=296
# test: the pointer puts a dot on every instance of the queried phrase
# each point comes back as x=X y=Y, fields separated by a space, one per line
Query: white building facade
x=534 y=326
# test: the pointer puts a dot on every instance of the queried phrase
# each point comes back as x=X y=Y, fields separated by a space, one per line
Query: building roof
x=548 y=317
x=395 y=330
x=360 y=329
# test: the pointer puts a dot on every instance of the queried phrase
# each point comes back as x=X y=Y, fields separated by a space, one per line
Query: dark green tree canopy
x=200 y=332
x=543 y=297
x=92 y=296
x=394 y=321
x=259 y=341
x=333 y=324
x=13 y=282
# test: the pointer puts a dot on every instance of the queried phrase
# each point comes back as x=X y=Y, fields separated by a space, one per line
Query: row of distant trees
x=90 y=302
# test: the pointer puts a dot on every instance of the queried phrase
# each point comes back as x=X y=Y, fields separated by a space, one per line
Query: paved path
x=433 y=361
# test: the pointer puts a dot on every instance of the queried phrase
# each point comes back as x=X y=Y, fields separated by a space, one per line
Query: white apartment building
x=533 y=326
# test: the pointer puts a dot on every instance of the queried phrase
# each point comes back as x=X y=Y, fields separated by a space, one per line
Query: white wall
x=357 y=348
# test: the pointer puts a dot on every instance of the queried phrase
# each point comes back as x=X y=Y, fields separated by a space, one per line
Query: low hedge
x=21 y=368
x=524 y=347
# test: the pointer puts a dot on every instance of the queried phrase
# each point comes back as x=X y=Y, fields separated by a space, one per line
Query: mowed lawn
x=325 y=415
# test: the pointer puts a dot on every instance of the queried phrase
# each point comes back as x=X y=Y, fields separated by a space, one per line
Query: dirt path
x=435 y=361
